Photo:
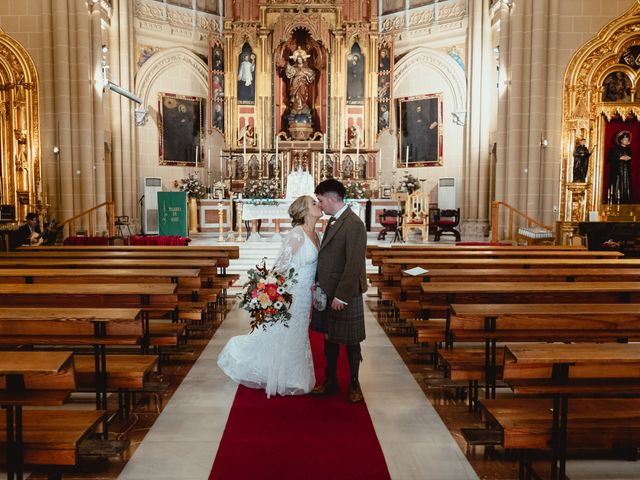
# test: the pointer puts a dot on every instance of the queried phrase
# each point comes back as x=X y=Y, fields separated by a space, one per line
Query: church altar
x=274 y=217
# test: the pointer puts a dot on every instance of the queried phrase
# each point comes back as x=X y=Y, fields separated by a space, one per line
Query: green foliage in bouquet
x=409 y=184
x=262 y=189
x=193 y=186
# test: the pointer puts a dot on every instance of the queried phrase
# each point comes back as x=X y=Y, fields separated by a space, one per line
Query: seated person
x=30 y=233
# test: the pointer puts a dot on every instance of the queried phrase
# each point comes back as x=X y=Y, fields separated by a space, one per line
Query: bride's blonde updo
x=299 y=209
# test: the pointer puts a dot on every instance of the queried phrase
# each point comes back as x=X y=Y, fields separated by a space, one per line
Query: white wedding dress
x=278 y=359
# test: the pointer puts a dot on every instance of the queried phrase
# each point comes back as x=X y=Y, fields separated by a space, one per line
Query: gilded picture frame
x=420 y=130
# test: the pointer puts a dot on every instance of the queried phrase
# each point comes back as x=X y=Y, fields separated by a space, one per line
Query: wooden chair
x=416 y=215
x=446 y=222
x=390 y=221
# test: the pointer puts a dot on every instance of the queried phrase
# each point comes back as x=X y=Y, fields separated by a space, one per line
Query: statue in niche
x=619 y=157
x=253 y=168
x=300 y=77
x=246 y=77
x=581 y=156
x=355 y=76
x=347 y=169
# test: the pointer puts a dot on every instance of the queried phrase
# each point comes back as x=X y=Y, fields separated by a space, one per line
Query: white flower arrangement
x=193 y=186
x=409 y=184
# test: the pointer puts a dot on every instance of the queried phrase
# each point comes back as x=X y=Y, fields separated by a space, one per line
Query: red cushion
x=416 y=222
x=445 y=222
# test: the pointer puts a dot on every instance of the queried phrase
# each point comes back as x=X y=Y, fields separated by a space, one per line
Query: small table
x=15 y=365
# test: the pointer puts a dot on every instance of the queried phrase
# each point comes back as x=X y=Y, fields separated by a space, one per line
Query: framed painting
x=420 y=127
x=181 y=128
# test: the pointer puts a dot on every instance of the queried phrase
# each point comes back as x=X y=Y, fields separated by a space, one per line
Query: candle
x=407 y=158
x=221 y=170
x=260 y=147
x=244 y=145
x=209 y=159
x=277 y=141
x=357 y=146
x=324 y=147
x=196 y=156
x=341 y=138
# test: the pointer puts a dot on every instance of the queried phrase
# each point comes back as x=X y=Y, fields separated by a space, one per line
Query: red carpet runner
x=315 y=438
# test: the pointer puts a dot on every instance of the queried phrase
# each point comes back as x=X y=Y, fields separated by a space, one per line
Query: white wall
x=425 y=71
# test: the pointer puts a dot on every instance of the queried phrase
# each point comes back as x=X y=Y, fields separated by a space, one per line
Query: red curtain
x=611 y=130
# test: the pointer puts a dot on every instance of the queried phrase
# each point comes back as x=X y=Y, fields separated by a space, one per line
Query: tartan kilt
x=345 y=327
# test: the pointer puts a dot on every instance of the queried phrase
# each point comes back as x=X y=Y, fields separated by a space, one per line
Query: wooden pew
x=576 y=370
x=39 y=379
x=233 y=250
x=221 y=257
x=207 y=268
x=447 y=293
x=77 y=327
x=378 y=257
x=491 y=323
x=183 y=277
x=373 y=250
x=392 y=267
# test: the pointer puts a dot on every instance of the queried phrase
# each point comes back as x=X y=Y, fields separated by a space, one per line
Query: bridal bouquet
x=267 y=296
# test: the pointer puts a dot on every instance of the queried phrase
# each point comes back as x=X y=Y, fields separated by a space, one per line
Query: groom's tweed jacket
x=342 y=274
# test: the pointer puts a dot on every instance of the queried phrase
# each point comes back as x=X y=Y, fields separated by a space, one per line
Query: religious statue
x=581 y=156
x=300 y=77
x=619 y=158
x=299 y=181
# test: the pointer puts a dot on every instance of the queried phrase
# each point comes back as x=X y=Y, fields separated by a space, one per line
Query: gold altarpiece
x=592 y=105
x=19 y=129
x=276 y=34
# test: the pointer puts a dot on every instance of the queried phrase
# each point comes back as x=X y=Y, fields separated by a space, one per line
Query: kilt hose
x=345 y=327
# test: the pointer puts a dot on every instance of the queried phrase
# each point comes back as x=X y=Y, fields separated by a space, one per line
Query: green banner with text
x=172 y=213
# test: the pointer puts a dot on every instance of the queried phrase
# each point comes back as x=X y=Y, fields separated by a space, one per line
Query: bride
x=278 y=359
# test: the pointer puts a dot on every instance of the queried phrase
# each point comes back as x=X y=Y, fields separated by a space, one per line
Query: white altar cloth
x=252 y=211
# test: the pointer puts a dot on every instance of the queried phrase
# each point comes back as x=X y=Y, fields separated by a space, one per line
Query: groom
x=342 y=276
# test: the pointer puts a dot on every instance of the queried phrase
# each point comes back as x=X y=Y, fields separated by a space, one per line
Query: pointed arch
x=158 y=63
x=442 y=64
x=19 y=125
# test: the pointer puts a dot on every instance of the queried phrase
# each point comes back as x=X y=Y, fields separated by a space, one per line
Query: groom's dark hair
x=331 y=185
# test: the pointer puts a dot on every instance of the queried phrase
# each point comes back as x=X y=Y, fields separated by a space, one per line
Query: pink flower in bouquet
x=264 y=300
x=255 y=292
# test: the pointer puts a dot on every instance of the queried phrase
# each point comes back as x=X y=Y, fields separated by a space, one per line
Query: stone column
x=98 y=114
x=480 y=92
x=528 y=112
x=62 y=105
x=125 y=168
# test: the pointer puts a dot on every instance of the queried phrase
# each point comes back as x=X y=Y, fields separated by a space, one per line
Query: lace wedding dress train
x=278 y=359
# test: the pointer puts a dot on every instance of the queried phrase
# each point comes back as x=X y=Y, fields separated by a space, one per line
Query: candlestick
x=221 y=166
x=407 y=158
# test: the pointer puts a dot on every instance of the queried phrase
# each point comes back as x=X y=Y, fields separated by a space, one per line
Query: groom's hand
x=337 y=305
